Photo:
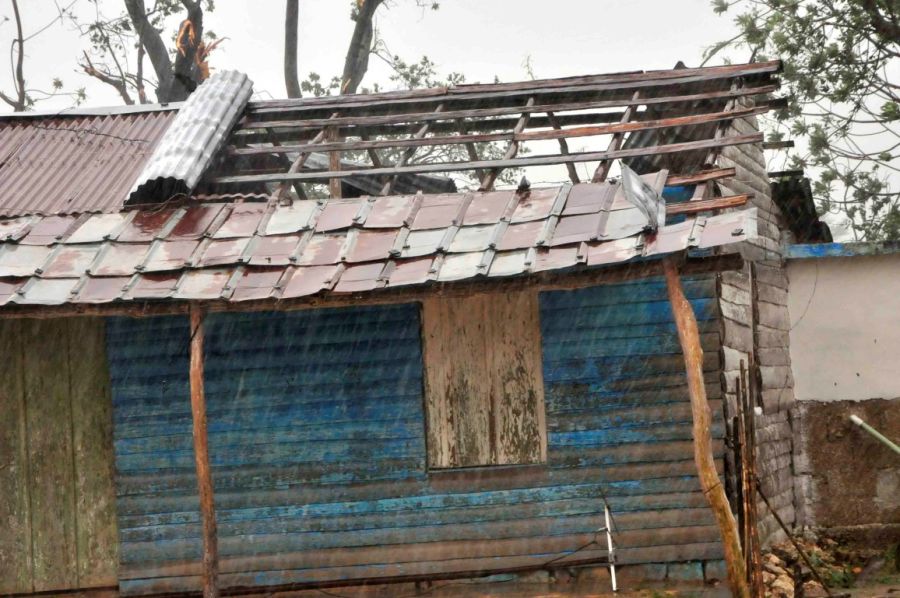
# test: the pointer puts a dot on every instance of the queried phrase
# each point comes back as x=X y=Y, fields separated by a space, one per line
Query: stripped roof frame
x=574 y=107
x=211 y=245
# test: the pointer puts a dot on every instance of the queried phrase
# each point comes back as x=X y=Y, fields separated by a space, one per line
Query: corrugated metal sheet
x=74 y=164
x=317 y=443
x=194 y=138
x=362 y=244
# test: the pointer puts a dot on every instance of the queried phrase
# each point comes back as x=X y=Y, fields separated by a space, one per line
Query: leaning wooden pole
x=201 y=458
x=689 y=336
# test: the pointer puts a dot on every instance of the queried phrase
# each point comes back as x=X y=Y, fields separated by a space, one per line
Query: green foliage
x=841 y=59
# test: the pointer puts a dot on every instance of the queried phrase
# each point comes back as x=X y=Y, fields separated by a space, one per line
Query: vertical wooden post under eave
x=689 y=336
x=201 y=457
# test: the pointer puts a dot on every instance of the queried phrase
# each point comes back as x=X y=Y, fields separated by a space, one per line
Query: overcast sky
x=480 y=38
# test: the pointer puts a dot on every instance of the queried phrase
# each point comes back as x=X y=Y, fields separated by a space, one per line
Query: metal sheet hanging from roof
x=193 y=139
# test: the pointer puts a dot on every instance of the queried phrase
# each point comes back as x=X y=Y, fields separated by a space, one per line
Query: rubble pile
x=786 y=575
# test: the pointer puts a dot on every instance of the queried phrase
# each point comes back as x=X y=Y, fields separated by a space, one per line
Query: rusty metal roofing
x=193 y=139
x=74 y=164
x=253 y=251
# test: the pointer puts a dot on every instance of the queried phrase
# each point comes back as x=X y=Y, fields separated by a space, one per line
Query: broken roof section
x=401 y=125
x=193 y=139
x=246 y=233
x=378 y=144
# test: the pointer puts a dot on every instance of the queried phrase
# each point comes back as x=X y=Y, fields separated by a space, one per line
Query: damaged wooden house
x=262 y=345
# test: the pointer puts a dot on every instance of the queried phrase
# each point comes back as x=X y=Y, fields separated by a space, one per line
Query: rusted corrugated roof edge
x=92 y=111
x=194 y=138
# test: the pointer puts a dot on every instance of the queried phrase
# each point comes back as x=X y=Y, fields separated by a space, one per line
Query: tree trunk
x=154 y=45
x=357 y=61
x=201 y=458
x=291 y=16
x=186 y=73
x=689 y=336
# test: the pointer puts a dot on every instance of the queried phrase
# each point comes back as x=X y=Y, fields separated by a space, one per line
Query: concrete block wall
x=755 y=319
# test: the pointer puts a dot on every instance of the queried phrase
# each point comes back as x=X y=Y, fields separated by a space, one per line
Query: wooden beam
x=701 y=177
x=334 y=163
x=511 y=91
x=706 y=205
x=518 y=134
x=615 y=143
x=510 y=163
x=689 y=337
x=484 y=112
x=545 y=281
x=563 y=148
x=408 y=154
x=299 y=162
x=201 y=458
x=490 y=177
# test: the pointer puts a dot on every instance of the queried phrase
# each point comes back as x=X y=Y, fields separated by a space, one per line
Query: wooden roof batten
x=510 y=113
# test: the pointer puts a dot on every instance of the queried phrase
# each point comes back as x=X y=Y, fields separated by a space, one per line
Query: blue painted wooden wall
x=317 y=445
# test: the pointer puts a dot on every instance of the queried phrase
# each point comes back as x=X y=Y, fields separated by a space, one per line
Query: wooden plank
x=634 y=527
x=457 y=382
x=480 y=93
x=96 y=535
x=557 y=107
x=706 y=468
x=334 y=163
x=518 y=134
x=539 y=160
x=299 y=161
x=410 y=152
x=51 y=466
x=701 y=177
x=432 y=571
x=513 y=352
x=602 y=170
x=15 y=539
x=706 y=205
x=429 y=551
x=563 y=147
x=487 y=182
x=210 y=564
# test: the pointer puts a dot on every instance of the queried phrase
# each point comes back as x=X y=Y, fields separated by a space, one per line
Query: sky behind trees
x=480 y=38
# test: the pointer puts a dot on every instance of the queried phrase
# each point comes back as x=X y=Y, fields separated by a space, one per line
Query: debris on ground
x=845 y=570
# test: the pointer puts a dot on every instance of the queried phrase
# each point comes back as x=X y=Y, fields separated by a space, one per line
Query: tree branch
x=153 y=44
x=19 y=83
x=117 y=83
x=357 y=61
x=291 y=17
x=887 y=29
x=190 y=37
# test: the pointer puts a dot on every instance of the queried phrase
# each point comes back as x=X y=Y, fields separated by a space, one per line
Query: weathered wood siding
x=484 y=396
x=317 y=441
x=56 y=458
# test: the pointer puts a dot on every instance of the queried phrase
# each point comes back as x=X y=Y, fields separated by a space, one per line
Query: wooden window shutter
x=484 y=389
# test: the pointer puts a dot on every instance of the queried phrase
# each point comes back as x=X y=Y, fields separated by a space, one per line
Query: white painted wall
x=845 y=320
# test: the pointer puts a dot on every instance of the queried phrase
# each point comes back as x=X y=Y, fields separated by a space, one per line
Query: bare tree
x=356 y=62
x=18 y=101
x=291 y=17
x=119 y=45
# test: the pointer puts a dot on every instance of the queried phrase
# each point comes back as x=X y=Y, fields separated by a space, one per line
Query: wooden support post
x=201 y=457
x=689 y=336
x=334 y=163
